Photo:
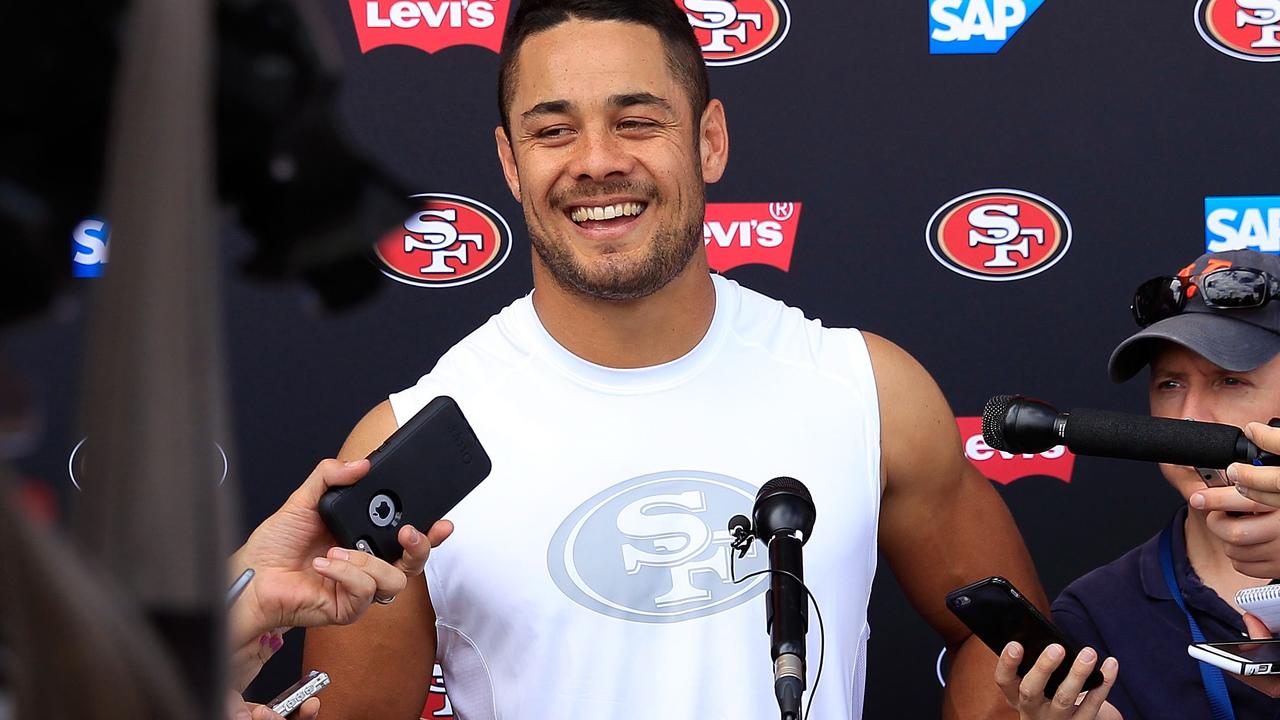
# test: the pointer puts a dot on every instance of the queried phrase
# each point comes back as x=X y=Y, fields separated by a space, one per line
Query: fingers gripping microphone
x=783 y=518
x=1017 y=424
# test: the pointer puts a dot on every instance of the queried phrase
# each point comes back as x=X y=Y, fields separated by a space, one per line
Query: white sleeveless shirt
x=588 y=576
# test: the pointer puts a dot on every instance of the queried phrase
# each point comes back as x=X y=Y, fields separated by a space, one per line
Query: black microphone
x=783 y=518
x=1018 y=424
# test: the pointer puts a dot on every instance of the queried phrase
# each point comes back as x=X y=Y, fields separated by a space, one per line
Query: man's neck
x=649 y=331
x=1208 y=556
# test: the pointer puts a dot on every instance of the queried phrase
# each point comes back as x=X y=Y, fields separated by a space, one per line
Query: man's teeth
x=607 y=212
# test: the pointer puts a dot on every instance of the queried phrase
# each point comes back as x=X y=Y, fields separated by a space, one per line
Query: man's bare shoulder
x=373 y=429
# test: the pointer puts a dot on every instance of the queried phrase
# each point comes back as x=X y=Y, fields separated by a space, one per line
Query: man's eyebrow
x=639 y=98
x=548 y=107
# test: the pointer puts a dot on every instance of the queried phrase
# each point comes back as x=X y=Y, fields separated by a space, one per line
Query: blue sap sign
x=89 y=247
x=1242 y=223
x=974 y=27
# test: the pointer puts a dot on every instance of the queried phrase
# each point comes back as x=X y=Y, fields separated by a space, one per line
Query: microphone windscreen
x=993 y=414
x=1138 y=437
x=784 y=484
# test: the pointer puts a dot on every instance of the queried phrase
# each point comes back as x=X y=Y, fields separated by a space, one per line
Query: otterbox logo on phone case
x=655 y=549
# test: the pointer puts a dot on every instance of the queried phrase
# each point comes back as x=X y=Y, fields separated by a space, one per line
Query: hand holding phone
x=998 y=614
x=420 y=473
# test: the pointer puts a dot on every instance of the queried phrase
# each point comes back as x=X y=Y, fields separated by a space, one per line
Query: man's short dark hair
x=684 y=55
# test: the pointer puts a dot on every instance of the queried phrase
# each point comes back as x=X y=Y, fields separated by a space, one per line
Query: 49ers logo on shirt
x=452 y=240
x=998 y=234
x=429 y=25
x=1003 y=467
x=732 y=32
x=1244 y=29
x=750 y=233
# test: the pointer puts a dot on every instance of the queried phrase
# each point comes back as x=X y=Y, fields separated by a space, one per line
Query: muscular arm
x=942 y=525
x=380 y=666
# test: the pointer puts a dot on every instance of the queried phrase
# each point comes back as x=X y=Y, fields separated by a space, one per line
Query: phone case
x=1220 y=656
x=998 y=614
x=420 y=473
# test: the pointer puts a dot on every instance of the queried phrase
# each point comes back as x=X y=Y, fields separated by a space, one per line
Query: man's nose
x=1198 y=404
x=600 y=155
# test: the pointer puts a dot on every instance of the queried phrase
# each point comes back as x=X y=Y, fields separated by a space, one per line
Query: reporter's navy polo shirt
x=1124 y=610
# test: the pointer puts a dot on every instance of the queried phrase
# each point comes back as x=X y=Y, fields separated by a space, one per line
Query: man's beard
x=668 y=254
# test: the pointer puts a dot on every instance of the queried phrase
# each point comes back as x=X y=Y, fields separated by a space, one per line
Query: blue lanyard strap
x=1215 y=685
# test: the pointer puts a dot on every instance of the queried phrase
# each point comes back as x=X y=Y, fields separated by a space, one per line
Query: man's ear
x=507 y=156
x=714 y=141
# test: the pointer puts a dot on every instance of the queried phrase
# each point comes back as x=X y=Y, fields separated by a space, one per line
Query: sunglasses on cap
x=1236 y=288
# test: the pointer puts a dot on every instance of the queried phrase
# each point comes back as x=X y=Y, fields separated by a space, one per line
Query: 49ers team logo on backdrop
x=429 y=25
x=1244 y=29
x=750 y=233
x=452 y=240
x=732 y=32
x=998 y=234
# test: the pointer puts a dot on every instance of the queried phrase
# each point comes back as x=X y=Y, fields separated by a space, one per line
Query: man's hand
x=1259 y=483
x=1250 y=530
x=1268 y=685
x=302 y=580
x=1026 y=695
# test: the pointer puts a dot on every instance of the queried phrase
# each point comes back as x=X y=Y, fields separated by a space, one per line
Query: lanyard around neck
x=1215 y=685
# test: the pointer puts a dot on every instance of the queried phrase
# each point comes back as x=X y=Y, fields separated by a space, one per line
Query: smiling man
x=632 y=404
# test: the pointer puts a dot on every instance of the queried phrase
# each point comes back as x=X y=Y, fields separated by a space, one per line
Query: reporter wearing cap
x=1211 y=336
x=302 y=580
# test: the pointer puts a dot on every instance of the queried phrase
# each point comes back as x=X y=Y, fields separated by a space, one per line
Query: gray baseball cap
x=1237 y=340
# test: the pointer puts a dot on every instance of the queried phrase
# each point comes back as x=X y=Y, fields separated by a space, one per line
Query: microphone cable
x=822 y=633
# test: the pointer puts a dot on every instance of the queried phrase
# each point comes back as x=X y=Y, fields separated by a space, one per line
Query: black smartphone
x=998 y=614
x=420 y=473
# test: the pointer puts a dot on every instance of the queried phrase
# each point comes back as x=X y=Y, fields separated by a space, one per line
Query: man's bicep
x=381 y=665
x=373 y=429
x=942 y=525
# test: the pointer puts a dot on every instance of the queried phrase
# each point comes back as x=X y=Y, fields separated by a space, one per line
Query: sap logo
x=1242 y=223
x=733 y=32
x=998 y=234
x=974 y=27
x=429 y=25
x=1244 y=29
x=654 y=549
x=1003 y=467
x=452 y=240
x=89 y=247
x=750 y=233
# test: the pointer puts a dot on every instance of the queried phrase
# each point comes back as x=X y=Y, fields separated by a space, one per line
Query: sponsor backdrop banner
x=982 y=181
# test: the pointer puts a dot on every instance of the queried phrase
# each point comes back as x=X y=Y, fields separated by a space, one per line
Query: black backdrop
x=1123 y=115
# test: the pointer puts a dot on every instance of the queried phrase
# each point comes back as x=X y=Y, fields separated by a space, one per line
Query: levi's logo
x=429 y=25
x=452 y=240
x=1244 y=29
x=1003 y=467
x=998 y=234
x=750 y=233
x=733 y=32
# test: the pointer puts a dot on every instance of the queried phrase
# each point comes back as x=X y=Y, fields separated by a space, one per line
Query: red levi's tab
x=1003 y=467
x=750 y=233
x=429 y=25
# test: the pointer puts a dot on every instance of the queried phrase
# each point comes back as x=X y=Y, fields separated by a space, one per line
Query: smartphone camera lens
x=962 y=601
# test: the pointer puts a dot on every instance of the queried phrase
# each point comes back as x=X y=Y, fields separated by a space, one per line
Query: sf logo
x=996 y=224
x=669 y=534
x=722 y=20
x=436 y=238
x=1264 y=14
